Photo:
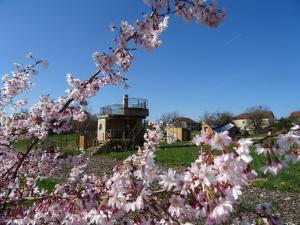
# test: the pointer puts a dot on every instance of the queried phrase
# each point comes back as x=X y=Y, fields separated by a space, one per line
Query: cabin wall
x=101 y=129
x=182 y=134
x=120 y=128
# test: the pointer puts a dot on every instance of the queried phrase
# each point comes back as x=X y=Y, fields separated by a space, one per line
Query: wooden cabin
x=182 y=134
x=207 y=128
x=121 y=126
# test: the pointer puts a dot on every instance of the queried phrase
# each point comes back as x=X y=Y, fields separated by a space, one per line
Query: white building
x=242 y=120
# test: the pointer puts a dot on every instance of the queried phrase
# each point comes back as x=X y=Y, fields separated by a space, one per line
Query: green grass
x=175 y=144
x=21 y=145
x=118 y=155
x=66 y=142
x=177 y=156
x=174 y=155
x=181 y=155
x=194 y=133
x=46 y=184
x=287 y=180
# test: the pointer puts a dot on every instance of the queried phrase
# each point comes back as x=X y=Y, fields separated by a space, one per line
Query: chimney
x=125 y=101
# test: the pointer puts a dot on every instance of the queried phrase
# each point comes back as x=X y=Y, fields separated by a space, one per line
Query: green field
x=178 y=155
x=181 y=155
x=66 y=142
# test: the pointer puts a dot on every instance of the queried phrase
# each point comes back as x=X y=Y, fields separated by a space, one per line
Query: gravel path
x=99 y=165
x=284 y=204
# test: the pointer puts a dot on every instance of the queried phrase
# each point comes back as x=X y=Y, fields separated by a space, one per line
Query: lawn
x=66 y=142
x=182 y=154
x=178 y=155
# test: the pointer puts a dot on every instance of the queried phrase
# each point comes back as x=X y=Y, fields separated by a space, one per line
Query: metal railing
x=139 y=103
x=133 y=103
x=111 y=109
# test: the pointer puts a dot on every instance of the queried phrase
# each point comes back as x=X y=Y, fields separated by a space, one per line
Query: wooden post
x=81 y=142
x=61 y=143
x=78 y=135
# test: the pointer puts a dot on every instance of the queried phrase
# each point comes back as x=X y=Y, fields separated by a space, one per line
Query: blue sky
x=252 y=58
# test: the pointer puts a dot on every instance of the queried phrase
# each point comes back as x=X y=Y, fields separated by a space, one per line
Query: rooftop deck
x=130 y=107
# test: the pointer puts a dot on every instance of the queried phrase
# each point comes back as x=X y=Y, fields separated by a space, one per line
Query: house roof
x=244 y=116
x=296 y=114
x=223 y=128
x=189 y=120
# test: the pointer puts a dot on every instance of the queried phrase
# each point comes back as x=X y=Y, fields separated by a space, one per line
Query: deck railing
x=133 y=103
x=139 y=103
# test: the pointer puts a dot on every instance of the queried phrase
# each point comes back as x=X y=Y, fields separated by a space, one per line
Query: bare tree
x=169 y=117
x=216 y=119
x=256 y=116
x=89 y=126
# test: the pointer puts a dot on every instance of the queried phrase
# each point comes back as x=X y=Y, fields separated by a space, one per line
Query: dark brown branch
x=83 y=86
x=270 y=136
x=35 y=141
x=32 y=144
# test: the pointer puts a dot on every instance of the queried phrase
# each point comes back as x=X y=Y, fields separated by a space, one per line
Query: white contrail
x=232 y=40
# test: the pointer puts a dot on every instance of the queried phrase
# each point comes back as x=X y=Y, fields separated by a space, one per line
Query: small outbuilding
x=185 y=122
x=182 y=134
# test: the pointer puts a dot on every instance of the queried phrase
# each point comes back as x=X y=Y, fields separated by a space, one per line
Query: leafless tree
x=89 y=126
x=169 y=117
x=256 y=115
x=216 y=119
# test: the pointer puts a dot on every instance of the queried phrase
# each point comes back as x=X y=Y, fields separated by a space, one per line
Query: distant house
x=184 y=122
x=296 y=115
x=242 y=120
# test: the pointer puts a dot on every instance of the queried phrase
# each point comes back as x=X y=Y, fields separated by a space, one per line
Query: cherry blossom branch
x=84 y=84
x=271 y=136
x=32 y=144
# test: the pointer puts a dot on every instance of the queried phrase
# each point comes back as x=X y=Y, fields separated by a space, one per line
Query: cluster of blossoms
x=18 y=83
x=284 y=150
x=145 y=33
x=198 y=10
x=19 y=186
x=92 y=200
x=137 y=192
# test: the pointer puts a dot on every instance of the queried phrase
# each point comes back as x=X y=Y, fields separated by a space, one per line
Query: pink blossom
x=30 y=181
x=272 y=168
x=168 y=180
x=176 y=205
x=221 y=212
x=220 y=140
